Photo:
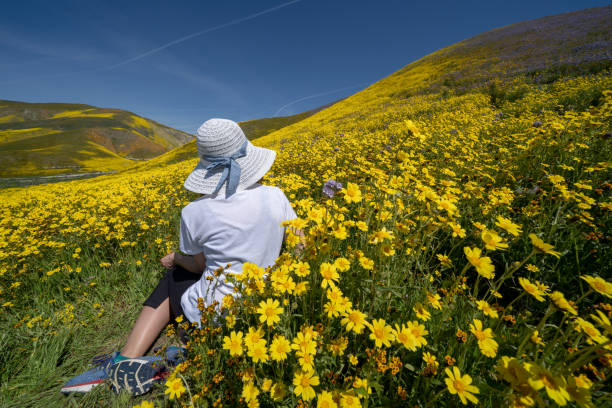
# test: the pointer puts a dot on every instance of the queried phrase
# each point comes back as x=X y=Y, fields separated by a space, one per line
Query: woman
x=237 y=220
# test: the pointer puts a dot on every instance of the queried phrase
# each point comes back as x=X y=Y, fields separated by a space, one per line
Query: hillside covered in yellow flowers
x=54 y=139
x=457 y=225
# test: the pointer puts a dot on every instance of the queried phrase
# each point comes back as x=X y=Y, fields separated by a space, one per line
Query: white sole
x=84 y=387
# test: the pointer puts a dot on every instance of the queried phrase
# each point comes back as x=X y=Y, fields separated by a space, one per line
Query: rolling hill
x=41 y=139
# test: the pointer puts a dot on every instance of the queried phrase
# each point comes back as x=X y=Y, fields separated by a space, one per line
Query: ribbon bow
x=231 y=169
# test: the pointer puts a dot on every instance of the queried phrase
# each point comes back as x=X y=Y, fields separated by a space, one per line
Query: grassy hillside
x=257 y=128
x=465 y=258
x=41 y=139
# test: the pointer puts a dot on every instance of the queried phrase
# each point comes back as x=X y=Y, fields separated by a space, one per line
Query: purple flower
x=330 y=187
x=328 y=191
x=537 y=123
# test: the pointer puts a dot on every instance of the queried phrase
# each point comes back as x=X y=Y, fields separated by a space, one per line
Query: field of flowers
x=456 y=251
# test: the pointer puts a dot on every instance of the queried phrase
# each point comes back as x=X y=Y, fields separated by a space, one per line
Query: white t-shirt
x=245 y=227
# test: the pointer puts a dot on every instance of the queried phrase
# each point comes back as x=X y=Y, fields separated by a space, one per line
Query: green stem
x=431 y=401
x=549 y=311
x=588 y=292
x=475 y=291
x=188 y=389
x=580 y=360
x=509 y=273
x=508 y=308
x=465 y=268
x=560 y=332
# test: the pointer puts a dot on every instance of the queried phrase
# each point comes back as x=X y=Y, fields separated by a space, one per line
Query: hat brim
x=253 y=167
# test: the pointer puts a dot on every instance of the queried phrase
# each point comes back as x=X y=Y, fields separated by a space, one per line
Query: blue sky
x=182 y=62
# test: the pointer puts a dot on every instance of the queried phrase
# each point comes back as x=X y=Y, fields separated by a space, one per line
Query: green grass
x=257 y=128
x=44 y=365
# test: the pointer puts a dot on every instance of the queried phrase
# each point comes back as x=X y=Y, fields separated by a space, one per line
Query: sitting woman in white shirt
x=237 y=220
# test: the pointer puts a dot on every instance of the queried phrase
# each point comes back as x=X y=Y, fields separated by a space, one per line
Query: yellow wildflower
x=599 y=285
x=233 y=343
x=352 y=193
x=486 y=344
x=269 y=311
x=354 y=320
x=492 y=240
x=421 y=312
x=434 y=300
x=329 y=274
x=174 y=388
x=411 y=335
x=258 y=351
x=509 y=226
x=144 y=404
x=562 y=303
x=555 y=385
x=342 y=264
x=366 y=263
x=533 y=290
x=249 y=391
x=430 y=360
x=461 y=385
x=543 y=246
x=279 y=348
x=348 y=400
x=483 y=265
x=487 y=309
x=326 y=400
x=382 y=334
x=303 y=381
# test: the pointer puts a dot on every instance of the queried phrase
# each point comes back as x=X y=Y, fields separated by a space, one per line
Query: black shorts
x=174 y=283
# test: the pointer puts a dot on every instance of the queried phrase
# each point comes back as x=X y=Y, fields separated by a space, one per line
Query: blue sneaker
x=135 y=375
x=97 y=375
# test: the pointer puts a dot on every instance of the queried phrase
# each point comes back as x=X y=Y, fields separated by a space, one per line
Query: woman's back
x=245 y=227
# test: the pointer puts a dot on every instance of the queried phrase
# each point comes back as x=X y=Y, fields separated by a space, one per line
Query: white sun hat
x=228 y=161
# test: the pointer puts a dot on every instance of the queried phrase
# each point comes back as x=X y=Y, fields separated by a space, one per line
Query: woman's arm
x=301 y=245
x=194 y=263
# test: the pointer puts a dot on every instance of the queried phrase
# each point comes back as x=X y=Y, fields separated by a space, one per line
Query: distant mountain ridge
x=39 y=139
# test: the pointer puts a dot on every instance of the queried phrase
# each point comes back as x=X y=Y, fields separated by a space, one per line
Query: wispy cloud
x=207 y=85
x=197 y=34
x=282 y=108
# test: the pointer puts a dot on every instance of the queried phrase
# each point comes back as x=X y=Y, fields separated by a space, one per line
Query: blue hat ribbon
x=231 y=169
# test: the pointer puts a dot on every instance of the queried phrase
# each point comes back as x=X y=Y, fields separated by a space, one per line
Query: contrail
x=190 y=36
x=317 y=95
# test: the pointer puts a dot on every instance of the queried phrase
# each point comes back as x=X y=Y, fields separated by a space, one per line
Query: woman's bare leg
x=149 y=324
